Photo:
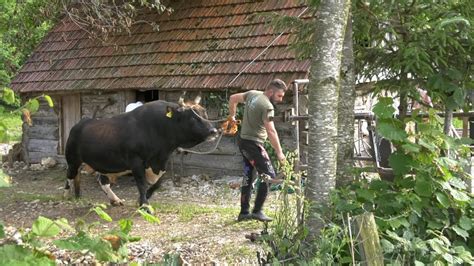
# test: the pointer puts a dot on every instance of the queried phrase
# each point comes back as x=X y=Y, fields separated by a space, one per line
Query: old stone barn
x=201 y=47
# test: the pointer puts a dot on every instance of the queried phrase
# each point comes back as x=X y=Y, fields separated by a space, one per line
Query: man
x=257 y=125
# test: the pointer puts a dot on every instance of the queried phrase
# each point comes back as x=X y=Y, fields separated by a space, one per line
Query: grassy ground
x=12 y=122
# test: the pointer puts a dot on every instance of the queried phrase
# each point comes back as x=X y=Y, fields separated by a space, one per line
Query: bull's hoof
x=118 y=202
x=67 y=194
x=147 y=208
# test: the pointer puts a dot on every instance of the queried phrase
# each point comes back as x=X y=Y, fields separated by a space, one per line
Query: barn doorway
x=148 y=96
x=70 y=115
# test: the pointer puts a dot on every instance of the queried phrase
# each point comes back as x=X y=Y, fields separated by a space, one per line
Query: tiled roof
x=202 y=45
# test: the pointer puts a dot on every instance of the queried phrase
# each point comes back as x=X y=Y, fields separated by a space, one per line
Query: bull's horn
x=181 y=99
x=197 y=100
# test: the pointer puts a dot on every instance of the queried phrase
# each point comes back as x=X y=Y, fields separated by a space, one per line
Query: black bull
x=139 y=142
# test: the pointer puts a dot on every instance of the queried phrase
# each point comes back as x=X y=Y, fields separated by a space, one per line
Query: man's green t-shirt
x=258 y=109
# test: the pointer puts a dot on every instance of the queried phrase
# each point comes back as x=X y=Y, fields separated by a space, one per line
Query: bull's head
x=193 y=119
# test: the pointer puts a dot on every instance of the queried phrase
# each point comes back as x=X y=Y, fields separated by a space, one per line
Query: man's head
x=276 y=90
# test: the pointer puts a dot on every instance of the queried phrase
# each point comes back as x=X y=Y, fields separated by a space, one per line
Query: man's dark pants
x=255 y=157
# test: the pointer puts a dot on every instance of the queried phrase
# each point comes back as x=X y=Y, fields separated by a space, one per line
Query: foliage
x=107 y=247
x=100 y=19
x=413 y=44
x=403 y=45
x=31 y=106
x=286 y=239
x=426 y=215
x=22 y=26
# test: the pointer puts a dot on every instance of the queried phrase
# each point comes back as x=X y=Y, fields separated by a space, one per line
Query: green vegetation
x=13 y=122
x=106 y=247
x=188 y=211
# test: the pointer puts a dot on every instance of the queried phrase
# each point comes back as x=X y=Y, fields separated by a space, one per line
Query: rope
x=263 y=51
x=179 y=149
x=205 y=119
x=230 y=83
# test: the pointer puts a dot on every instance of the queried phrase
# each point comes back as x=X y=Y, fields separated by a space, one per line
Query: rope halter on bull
x=197 y=100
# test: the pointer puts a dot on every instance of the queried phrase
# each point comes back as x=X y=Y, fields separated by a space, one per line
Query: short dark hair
x=278 y=84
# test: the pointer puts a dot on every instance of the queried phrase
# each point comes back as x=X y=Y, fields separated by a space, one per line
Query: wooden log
x=368 y=240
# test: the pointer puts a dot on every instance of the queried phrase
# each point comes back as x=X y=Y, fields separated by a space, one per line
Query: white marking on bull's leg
x=151 y=177
x=67 y=191
x=114 y=200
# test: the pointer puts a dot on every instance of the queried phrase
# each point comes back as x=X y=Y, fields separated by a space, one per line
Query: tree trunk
x=323 y=97
x=345 y=111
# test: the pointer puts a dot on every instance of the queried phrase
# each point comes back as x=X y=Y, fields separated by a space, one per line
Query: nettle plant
x=107 y=247
x=426 y=215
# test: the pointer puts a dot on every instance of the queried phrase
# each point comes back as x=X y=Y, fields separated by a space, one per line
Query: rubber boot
x=257 y=213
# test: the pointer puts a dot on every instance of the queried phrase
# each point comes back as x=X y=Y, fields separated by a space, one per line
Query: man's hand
x=281 y=157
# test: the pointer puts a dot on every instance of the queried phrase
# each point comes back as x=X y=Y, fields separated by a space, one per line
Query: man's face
x=277 y=96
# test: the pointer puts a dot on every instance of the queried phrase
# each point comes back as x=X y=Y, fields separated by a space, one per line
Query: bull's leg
x=105 y=185
x=138 y=172
x=73 y=179
x=156 y=182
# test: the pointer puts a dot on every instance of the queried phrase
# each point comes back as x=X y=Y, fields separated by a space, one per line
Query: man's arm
x=235 y=99
x=274 y=139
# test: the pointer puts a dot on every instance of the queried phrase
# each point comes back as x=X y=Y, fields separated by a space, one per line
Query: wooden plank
x=71 y=114
x=44 y=132
x=43 y=145
x=35 y=156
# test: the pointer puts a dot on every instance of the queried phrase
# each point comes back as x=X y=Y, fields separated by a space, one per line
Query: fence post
x=368 y=240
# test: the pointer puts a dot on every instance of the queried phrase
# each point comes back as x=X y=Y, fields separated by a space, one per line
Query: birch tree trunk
x=323 y=98
x=345 y=111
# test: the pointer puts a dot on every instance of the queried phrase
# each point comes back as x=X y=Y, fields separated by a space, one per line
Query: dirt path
x=198 y=219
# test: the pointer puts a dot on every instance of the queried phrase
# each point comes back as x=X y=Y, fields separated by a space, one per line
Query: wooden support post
x=368 y=240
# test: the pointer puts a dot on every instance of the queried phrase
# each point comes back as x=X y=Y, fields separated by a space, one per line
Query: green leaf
x=102 y=214
x=387 y=246
x=391 y=132
x=383 y=108
x=465 y=223
x=459 y=97
x=125 y=225
x=438 y=246
x=8 y=96
x=443 y=199
x=148 y=217
x=49 y=100
x=2 y=231
x=45 y=227
x=64 y=224
x=101 y=248
x=423 y=188
x=461 y=232
x=18 y=255
x=400 y=163
x=411 y=147
x=419 y=263
x=32 y=105
x=459 y=195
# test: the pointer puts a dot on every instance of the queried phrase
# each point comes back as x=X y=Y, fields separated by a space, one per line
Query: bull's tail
x=73 y=159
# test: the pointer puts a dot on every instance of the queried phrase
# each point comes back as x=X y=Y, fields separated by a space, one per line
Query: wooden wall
x=41 y=139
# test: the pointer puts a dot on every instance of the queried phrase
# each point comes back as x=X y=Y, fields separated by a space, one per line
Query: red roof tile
x=202 y=45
